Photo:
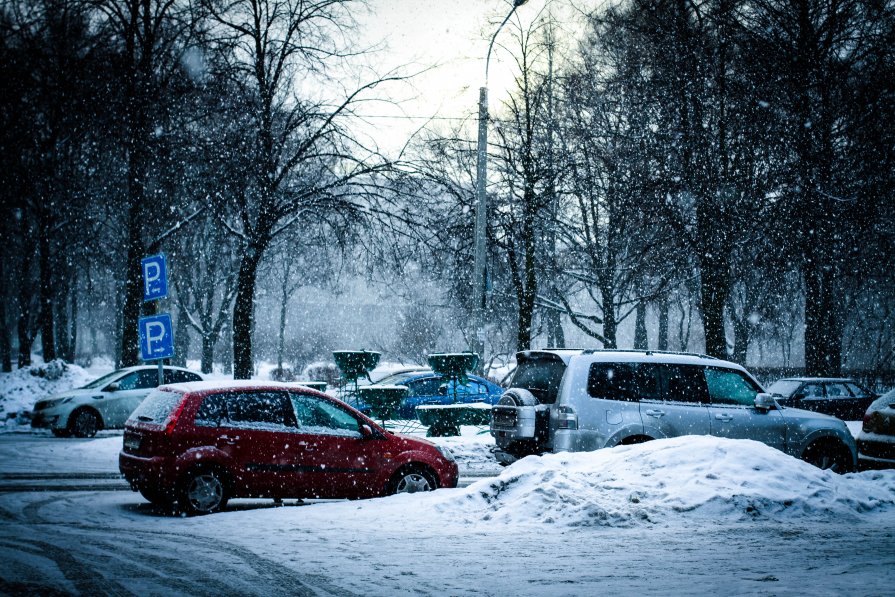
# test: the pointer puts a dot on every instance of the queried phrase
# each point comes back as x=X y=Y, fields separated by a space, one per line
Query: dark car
x=876 y=442
x=428 y=387
x=837 y=396
x=201 y=444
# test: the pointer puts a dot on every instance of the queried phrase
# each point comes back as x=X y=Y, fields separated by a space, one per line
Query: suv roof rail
x=650 y=352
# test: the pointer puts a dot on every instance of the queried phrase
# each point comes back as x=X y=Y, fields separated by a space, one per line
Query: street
x=82 y=532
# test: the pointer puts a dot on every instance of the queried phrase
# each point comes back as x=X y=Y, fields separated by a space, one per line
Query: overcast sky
x=452 y=37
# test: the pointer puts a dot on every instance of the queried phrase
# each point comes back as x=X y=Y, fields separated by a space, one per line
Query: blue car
x=427 y=387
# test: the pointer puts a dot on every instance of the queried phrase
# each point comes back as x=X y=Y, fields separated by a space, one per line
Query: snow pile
x=711 y=477
x=21 y=388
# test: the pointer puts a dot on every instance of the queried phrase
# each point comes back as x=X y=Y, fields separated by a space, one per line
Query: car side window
x=684 y=383
x=837 y=390
x=319 y=416
x=147 y=379
x=259 y=410
x=425 y=387
x=612 y=381
x=812 y=390
x=175 y=376
x=727 y=386
x=128 y=382
x=472 y=387
x=857 y=390
x=212 y=411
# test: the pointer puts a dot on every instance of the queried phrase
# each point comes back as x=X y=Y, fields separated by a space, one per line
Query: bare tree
x=307 y=164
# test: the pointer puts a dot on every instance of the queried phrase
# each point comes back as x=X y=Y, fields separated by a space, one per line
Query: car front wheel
x=83 y=423
x=411 y=480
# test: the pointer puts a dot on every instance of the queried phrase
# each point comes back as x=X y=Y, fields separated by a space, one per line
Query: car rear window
x=157 y=406
x=541 y=377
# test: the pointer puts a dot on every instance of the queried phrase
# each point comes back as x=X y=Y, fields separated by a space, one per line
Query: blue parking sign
x=156 y=337
x=155 y=277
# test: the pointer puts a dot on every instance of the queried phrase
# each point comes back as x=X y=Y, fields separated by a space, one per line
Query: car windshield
x=103 y=381
x=784 y=387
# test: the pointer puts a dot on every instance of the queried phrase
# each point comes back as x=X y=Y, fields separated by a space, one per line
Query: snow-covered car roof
x=233 y=384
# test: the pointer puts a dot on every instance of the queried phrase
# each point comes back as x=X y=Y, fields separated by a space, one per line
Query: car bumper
x=46 y=420
x=873 y=454
x=145 y=472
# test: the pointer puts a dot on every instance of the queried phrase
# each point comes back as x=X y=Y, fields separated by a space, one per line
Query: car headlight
x=446 y=452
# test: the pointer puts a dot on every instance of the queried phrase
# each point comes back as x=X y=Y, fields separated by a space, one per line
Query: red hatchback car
x=200 y=444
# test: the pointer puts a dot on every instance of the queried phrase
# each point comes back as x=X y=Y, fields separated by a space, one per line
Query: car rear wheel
x=83 y=423
x=830 y=456
x=411 y=480
x=204 y=492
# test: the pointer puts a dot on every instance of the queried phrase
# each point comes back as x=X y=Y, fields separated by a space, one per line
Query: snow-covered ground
x=690 y=515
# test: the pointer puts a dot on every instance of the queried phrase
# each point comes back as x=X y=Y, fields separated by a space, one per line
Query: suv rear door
x=673 y=400
x=733 y=412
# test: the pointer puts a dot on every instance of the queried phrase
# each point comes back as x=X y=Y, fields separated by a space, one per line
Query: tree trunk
x=281 y=344
x=641 y=341
x=208 y=342
x=714 y=288
x=823 y=325
x=45 y=313
x=662 y=341
x=5 y=342
x=72 y=348
x=244 y=314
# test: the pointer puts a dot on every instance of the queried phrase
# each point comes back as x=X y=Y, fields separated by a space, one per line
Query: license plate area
x=132 y=442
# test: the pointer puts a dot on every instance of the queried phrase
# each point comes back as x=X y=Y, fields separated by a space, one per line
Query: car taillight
x=172 y=420
x=566 y=418
x=873 y=421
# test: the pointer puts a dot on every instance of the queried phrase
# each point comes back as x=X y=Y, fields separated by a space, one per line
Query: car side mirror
x=112 y=387
x=366 y=432
x=765 y=401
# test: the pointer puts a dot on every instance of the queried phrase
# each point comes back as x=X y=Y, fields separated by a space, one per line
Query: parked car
x=876 y=441
x=578 y=400
x=835 y=396
x=104 y=403
x=428 y=387
x=201 y=444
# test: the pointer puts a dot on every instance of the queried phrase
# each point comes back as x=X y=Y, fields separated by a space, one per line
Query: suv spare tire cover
x=517 y=397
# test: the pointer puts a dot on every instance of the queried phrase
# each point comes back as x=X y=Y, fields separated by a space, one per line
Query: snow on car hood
x=698 y=476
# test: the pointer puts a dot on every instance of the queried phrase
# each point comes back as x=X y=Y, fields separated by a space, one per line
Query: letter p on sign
x=156 y=337
x=155 y=277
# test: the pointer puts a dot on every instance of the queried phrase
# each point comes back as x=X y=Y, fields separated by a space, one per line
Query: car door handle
x=656 y=413
x=227 y=439
x=724 y=417
x=306 y=446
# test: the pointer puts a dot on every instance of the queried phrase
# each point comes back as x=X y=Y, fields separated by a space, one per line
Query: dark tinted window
x=857 y=390
x=837 y=390
x=613 y=381
x=245 y=409
x=684 y=383
x=212 y=411
x=647 y=381
x=541 y=377
x=425 y=387
x=175 y=376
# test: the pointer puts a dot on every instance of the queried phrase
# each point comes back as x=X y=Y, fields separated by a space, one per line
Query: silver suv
x=579 y=400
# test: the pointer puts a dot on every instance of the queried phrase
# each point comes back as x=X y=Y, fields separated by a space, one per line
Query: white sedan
x=104 y=403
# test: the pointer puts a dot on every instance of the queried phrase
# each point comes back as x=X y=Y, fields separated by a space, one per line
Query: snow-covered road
x=695 y=515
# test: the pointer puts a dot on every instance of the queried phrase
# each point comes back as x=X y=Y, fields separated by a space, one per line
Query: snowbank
x=21 y=388
x=701 y=476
